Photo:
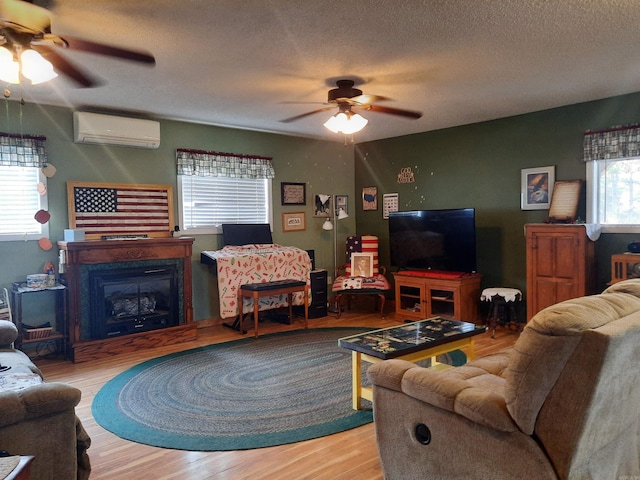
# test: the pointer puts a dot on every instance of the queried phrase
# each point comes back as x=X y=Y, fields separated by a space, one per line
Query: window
x=216 y=188
x=208 y=202
x=613 y=194
x=20 y=200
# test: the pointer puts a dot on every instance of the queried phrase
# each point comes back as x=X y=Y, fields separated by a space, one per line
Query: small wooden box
x=624 y=266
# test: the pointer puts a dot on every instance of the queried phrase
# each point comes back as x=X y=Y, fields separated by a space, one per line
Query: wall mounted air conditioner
x=102 y=129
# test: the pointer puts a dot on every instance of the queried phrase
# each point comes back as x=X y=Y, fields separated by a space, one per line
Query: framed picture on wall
x=536 y=186
x=342 y=202
x=322 y=205
x=293 y=222
x=293 y=193
x=370 y=198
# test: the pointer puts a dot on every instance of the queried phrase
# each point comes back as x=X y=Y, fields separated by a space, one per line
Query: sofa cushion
x=548 y=341
x=8 y=332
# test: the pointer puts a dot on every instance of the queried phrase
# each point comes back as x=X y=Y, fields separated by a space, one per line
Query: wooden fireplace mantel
x=79 y=254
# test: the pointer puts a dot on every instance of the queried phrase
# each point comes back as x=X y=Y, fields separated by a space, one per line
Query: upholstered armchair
x=564 y=403
x=361 y=274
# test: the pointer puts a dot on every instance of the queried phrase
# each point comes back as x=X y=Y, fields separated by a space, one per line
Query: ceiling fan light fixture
x=36 y=68
x=9 y=68
x=347 y=123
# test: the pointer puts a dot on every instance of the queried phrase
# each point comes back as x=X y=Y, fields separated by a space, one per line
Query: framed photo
x=362 y=264
x=536 y=187
x=322 y=205
x=342 y=202
x=293 y=193
x=564 y=201
x=370 y=198
x=293 y=222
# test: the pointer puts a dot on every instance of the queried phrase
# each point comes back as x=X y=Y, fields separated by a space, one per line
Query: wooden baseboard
x=94 y=349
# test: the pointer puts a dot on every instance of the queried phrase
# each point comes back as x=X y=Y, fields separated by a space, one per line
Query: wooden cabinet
x=560 y=264
x=419 y=296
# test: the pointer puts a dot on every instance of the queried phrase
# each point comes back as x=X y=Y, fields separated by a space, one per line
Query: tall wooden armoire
x=560 y=264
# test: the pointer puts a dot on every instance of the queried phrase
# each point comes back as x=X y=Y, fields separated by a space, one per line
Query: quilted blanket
x=258 y=263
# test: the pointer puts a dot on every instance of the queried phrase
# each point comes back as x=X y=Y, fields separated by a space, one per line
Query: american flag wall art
x=121 y=209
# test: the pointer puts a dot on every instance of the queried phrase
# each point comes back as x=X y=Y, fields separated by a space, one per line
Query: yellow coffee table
x=413 y=342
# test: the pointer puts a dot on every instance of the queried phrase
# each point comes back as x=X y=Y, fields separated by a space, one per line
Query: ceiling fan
x=25 y=28
x=349 y=101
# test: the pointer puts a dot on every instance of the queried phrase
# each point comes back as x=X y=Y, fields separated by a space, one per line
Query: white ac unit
x=112 y=130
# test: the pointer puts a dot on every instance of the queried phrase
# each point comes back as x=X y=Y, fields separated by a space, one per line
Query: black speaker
x=312 y=257
x=634 y=247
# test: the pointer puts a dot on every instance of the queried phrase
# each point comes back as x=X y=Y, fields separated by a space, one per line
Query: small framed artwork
x=342 y=202
x=370 y=198
x=293 y=222
x=389 y=204
x=362 y=264
x=564 y=201
x=322 y=205
x=293 y=193
x=536 y=186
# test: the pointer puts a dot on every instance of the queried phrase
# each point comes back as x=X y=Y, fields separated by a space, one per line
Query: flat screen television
x=442 y=240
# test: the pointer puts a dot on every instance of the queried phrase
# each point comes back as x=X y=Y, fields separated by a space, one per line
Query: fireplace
x=127 y=295
x=128 y=300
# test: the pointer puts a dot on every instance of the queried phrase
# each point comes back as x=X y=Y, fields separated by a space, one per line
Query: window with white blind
x=208 y=202
x=20 y=199
x=613 y=200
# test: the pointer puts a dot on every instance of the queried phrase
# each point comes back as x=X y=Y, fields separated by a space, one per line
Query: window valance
x=615 y=142
x=22 y=150
x=218 y=164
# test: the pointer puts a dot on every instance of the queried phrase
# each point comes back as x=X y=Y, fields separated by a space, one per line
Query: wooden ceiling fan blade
x=298 y=117
x=392 y=111
x=65 y=67
x=108 y=50
x=24 y=17
x=365 y=99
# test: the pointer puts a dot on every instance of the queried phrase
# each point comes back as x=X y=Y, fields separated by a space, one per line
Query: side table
x=60 y=333
x=21 y=471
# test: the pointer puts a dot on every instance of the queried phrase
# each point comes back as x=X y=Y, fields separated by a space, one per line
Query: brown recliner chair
x=564 y=403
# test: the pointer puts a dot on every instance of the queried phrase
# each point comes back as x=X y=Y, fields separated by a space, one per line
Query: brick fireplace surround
x=82 y=257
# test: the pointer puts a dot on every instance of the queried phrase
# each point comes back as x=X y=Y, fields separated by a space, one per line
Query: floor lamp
x=338 y=214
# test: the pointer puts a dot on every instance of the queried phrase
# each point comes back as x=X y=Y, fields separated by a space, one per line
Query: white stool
x=502 y=309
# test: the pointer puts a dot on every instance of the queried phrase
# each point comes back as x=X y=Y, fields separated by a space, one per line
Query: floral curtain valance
x=617 y=142
x=217 y=164
x=22 y=150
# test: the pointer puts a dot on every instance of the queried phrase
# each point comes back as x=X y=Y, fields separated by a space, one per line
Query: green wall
x=474 y=165
x=479 y=166
x=326 y=167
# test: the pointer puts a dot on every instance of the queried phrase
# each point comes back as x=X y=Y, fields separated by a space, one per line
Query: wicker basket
x=37 y=333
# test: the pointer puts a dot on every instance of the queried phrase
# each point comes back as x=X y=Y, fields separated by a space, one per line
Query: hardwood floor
x=350 y=455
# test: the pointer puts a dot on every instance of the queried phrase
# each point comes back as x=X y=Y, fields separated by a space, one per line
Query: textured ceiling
x=236 y=62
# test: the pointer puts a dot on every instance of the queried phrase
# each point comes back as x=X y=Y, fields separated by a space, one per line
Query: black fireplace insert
x=130 y=300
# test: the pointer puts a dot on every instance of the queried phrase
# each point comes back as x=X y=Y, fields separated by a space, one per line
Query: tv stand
x=433 y=273
x=424 y=294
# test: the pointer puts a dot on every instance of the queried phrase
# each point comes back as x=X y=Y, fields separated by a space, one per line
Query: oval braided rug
x=250 y=393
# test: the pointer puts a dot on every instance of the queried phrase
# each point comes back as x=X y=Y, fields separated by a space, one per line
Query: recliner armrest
x=36 y=401
x=474 y=391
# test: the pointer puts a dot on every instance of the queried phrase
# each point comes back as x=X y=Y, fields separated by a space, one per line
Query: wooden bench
x=269 y=289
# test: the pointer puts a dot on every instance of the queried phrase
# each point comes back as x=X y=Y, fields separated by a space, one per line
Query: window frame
x=43 y=204
x=217 y=229
x=592 y=198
